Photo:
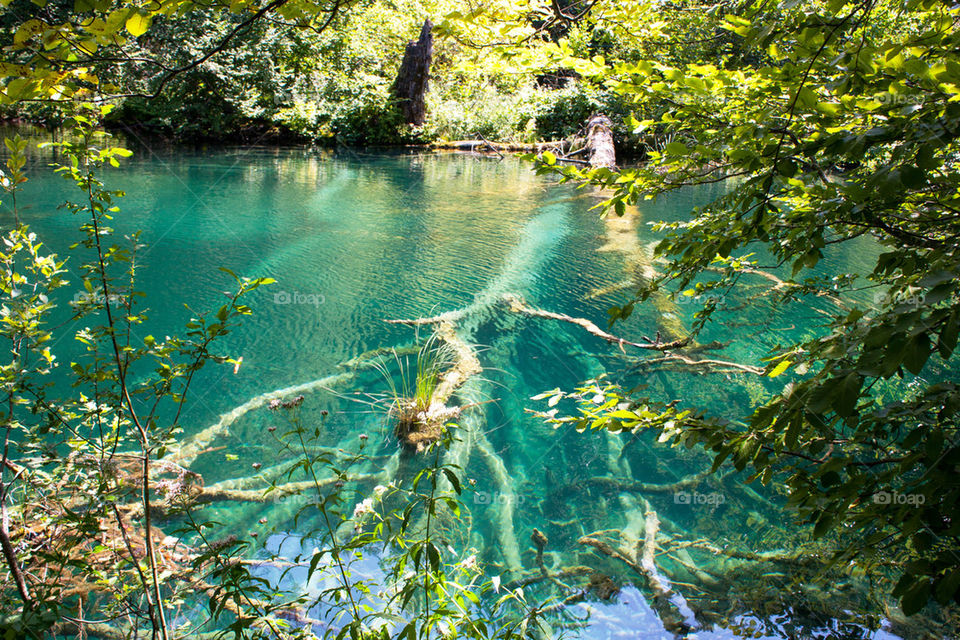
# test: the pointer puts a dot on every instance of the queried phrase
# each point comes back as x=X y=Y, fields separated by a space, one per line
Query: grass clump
x=416 y=407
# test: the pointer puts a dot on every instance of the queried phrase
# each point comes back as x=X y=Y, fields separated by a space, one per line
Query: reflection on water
x=354 y=239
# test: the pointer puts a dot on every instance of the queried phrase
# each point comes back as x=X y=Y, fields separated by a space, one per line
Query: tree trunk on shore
x=600 y=142
x=412 y=80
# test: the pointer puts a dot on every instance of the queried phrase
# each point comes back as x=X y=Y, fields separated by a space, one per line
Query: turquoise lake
x=357 y=238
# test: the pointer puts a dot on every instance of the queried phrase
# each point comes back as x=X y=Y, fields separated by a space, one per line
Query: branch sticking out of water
x=661 y=602
x=517 y=304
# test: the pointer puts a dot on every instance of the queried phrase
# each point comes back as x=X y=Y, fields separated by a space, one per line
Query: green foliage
x=843 y=125
x=92 y=458
x=830 y=121
x=225 y=70
x=76 y=460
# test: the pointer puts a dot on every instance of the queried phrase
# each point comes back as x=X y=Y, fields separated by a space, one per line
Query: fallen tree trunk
x=477 y=145
x=518 y=305
x=417 y=426
x=600 y=142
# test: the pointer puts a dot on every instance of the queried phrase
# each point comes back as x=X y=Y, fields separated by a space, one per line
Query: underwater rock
x=603 y=586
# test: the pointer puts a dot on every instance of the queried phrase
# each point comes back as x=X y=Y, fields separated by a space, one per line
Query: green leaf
x=847 y=394
x=916 y=597
x=454 y=480
x=780 y=368
x=676 y=149
x=434 y=557
x=824 y=523
x=137 y=24
x=917 y=353
x=947 y=586
x=947 y=341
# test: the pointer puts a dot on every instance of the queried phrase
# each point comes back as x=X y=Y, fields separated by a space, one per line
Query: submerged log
x=480 y=145
x=600 y=142
x=516 y=304
x=613 y=484
x=412 y=81
x=662 y=602
x=678 y=361
x=419 y=426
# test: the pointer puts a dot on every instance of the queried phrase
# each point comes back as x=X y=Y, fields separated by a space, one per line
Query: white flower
x=470 y=562
x=379 y=490
x=364 y=507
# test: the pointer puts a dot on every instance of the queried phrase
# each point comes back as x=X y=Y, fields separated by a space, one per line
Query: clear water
x=354 y=239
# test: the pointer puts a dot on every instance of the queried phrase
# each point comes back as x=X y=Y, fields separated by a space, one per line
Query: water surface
x=354 y=239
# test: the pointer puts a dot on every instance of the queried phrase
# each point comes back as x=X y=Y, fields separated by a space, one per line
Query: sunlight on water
x=354 y=240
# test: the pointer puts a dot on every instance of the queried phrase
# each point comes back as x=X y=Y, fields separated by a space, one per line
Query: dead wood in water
x=566 y=572
x=600 y=142
x=518 y=305
x=419 y=426
x=477 y=145
x=613 y=484
x=680 y=362
x=646 y=568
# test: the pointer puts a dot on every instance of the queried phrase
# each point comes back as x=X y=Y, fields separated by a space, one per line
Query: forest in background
x=277 y=80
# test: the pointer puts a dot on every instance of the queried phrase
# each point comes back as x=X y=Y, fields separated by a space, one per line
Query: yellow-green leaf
x=780 y=368
x=137 y=24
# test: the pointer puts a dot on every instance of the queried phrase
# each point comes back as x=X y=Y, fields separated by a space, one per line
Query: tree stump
x=411 y=84
x=600 y=142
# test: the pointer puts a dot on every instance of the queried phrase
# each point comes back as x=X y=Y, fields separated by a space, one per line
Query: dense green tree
x=841 y=123
x=255 y=71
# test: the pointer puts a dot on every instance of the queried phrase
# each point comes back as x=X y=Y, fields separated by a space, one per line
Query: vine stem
x=426 y=540
x=335 y=545
x=156 y=613
x=9 y=553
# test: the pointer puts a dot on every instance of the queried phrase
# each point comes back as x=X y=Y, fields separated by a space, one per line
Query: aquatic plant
x=416 y=409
